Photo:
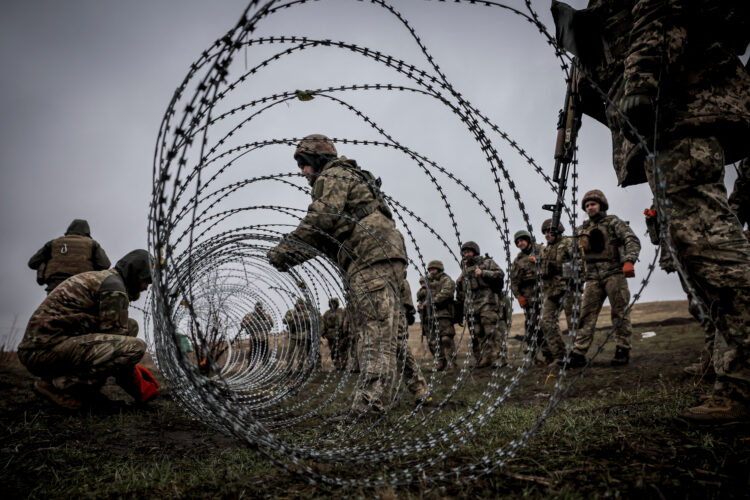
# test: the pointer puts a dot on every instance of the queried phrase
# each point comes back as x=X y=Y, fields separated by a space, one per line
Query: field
x=615 y=435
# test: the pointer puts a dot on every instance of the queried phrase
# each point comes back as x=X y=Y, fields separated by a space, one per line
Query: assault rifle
x=568 y=123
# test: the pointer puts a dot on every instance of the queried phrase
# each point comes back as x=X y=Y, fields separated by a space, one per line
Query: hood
x=80 y=227
x=134 y=268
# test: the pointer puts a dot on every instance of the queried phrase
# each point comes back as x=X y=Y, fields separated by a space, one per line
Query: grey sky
x=84 y=86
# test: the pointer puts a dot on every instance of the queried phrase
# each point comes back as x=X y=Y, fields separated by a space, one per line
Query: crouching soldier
x=81 y=334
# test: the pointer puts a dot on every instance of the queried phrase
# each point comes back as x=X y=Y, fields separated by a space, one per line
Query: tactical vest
x=70 y=255
x=599 y=242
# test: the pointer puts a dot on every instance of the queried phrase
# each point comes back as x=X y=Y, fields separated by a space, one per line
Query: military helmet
x=522 y=234
x=315 y=144
x=421 y=279
x=436 y=264
x=597 y=196
x=470 y=245
x=301 y=301
x=333 y=301
x=546 y=225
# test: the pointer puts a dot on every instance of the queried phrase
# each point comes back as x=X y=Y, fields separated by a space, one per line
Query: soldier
x=258 y=325
x=299 y=325
x=504 y=314
x=63 y=257
x=477 y=287
x=351 y=223
x=81 y=334
x=739 y=200
x=352 y=334
x=333 y=331
x=412 y=373
x=557 y=263
x=440 y=303
x=421 y=297
x=609 y=248
x=686 y=53
x=523 y=285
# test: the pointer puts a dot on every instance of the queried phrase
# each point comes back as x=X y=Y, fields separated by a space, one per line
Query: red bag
x=148 y=387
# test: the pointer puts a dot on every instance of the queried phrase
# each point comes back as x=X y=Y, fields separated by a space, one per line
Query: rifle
x=568 y=123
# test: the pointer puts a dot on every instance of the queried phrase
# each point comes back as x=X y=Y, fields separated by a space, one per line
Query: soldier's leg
x=591 y=304
x=616 y=287
x=478 y=336
x=488 y=320
x=379 y=301
x=553 y=347
x=501 y=341
x=412 y=373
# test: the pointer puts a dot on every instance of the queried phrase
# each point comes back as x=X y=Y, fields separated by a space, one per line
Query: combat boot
x=622 y=357
x=702 y=368
x=441 y=366
x=576 y=361
x=62 y=399
x=485 y=362
x=718 y=409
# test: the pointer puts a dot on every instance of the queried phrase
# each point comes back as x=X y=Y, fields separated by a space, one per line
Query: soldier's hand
x=532 y=259
x=478 y=271
x=640 y=112
x=628 y=270
x=410 y=318
x=522 y=301
x=278 y=258
x=460 y=278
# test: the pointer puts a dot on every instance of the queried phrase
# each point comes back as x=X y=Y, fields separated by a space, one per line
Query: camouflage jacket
x=606 y=243
x=333 y=323
x=92 y=302
x=406 y=301
x=421 y=300
x=259 y=322
x=442 y=288
x=342 y=196
x=298 y=322
x=739 y=200
x=703 y=88
x=483 y=287
x=553 y=258
x=523 y=273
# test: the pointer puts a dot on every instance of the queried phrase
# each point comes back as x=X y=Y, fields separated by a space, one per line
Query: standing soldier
x=440 y=298
x=351 y=223
x=81 y=334
x=351 y=332
x=412 y=373
x=477 y=287
x=523 y=284
x=258 y=325
x=299 y=325
x=68 y=255
x=424 y=317
x=333 y=331
x=678 y=61
x=557 y=264
x=609 y=249
x=504 y=314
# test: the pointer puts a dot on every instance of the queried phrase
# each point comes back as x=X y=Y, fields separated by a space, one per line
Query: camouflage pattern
x=75 y=252
x=415 y=381
x=334 y=333
x=478 y=295
x=597 y=196
x=504 y=313
x=424 y=312
x=299 y=325
x=595 y=292
x=258 y=325
x=739 y=200
x=80 y=335
x=556 y=295
x=523 y=284
x=441 y=331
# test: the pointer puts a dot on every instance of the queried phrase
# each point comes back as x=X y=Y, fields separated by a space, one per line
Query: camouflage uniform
x=688 y=52
x=554 y=256
x=739 y=200
x=523 y=284
x=74 y=253
x=606 y=243
x=504 y=314
x=258 y=325
x=299 y=324
x=412 y=373
x=81 y=333
x=350 y=222
x=333 y=331
x=478 y=294
x=423 y=312
x=442 y=331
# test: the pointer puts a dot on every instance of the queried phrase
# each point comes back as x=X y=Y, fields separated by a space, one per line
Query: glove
x=640 y=112
x=410 y=318
x=628 y=270
x=145 y=384
x=649 y=213
x=278 y=259
x=522 y=301
x=532 y=259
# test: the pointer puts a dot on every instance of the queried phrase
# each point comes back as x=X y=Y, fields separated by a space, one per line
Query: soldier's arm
x=630 y=241
x=100 y=259
x=515 y=282
x=447 y=288
x=492 y=272
x=41 y=256
x=113 y=307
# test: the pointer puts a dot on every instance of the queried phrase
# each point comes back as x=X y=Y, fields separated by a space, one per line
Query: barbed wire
x=240 y=342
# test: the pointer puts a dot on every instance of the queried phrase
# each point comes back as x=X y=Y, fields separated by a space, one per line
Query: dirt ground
x=614 y=435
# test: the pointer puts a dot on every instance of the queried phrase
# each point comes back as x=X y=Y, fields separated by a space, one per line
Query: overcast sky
x=84 y=85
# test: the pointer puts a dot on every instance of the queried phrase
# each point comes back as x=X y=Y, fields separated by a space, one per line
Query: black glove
x=410 y=318
x=640 y=112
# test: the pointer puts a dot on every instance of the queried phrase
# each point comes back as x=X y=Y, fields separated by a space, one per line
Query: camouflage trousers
x=415 y=381
x=86 y=361
x=710 y=245
x=440 y=335
x=553 y=346
x=339 y=347
x=299 y=352
x=533 y=335
x=376 y=292
x=484 y=334
x=595 y=292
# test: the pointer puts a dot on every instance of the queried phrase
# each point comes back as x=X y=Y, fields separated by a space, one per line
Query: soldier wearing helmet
x=609 y=248
x=258 y=325
x=299 y=324
x=438 y=309
x=423 y=312
x=477 y=289
x=350 y=222
x=334 y=333
x=523 y=284
x=557 y=273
